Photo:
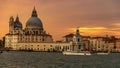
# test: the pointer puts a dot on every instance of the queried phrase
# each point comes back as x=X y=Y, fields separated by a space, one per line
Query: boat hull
x=102 y=53
x=75 y=53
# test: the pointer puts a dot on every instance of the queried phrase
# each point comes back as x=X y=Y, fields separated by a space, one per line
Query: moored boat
x=103 y=53
x=76 y=53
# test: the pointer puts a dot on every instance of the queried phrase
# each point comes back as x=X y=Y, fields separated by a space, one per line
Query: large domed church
x=33 y=32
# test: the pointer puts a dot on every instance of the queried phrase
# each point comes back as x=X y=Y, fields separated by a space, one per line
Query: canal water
x=14 y=59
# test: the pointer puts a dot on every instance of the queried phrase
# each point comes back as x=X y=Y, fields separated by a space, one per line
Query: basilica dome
x=34 y=22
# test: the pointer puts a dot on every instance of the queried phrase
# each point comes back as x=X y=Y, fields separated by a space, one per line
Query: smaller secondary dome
x=34 y=22
x=17 y=23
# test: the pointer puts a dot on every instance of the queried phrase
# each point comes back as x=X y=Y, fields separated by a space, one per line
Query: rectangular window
x=37 y=48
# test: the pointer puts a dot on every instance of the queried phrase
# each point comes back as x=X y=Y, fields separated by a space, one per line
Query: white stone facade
x=53 y=46
x=11 y=41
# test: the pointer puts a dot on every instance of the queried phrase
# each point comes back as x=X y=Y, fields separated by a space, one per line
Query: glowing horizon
x=95 y=31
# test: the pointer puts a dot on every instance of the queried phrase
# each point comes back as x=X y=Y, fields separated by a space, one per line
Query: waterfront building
x=115 y=47
x=33 y=31
x=34 y=37
x=99 y=44
x=80 y=43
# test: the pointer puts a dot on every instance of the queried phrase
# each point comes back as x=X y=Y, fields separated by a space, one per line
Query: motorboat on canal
x=76 y=53
x=103 y=53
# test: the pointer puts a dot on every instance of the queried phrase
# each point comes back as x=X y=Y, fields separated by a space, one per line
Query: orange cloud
x=116 y=24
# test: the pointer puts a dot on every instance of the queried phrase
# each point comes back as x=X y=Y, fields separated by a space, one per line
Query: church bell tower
x=11 y=25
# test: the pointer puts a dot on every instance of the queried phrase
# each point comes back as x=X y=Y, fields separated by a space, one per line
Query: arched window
x=60 y=47
x=43 y=39
x=78 y=39
x=68 y=47
x=33 y=32
x=36 y=32
x=37 y=48
x=79 y=46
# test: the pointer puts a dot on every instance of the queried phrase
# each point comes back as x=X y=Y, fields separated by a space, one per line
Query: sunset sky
x=61 y=17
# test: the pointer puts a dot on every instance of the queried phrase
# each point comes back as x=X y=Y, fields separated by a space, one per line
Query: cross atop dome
x=34 y=12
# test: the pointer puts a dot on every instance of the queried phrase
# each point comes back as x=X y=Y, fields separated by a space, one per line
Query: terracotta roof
x=86 y=36
x=31 y=34
x=43 y=42
x=38 y=34
x=12 y=34
x=69 y=35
